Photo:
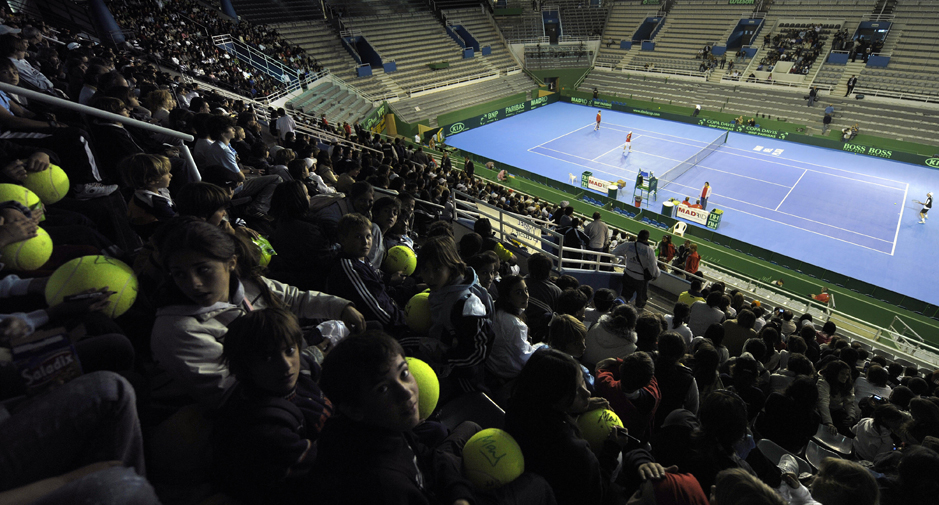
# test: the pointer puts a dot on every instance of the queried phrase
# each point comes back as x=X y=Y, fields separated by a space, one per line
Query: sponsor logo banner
x=699 y=216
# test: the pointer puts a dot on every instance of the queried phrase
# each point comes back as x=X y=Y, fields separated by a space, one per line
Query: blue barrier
x=878 y=61
x=648 y=45
x=838 y=58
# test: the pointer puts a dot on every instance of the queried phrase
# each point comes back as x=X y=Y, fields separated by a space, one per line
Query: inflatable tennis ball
x=266 y=249
x=20 y=194
x=417 y=313
x=50 y=185
x=492 y=459
x=94 y=272
x=595 y=426
x=28 y=254
x=400 y=258
x=429 y=386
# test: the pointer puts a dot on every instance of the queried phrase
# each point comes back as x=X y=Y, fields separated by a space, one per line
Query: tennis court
x=845 y=212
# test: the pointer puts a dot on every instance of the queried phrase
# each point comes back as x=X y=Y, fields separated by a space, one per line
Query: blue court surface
x=849 y=213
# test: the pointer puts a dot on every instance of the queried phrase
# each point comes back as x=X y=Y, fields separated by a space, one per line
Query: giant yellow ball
x=94 y=272
x=20 y=194
x=400 y=258
x=417 y=313
x=50 y=185
x=28 y=254
x=492 y=459
x=429 y=386
x=595 y=426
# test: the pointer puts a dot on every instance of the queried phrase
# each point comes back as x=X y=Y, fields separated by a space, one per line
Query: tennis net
x=686 y=165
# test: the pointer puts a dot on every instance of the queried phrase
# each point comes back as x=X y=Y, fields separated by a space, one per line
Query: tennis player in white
x=926 y=206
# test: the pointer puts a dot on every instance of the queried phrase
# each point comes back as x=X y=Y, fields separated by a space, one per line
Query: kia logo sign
x=933 y=162
x=457 y=128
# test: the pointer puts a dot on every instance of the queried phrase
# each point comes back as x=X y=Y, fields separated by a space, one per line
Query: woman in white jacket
x=612 y=337
x=212 y=279
x=872 y=435
x=836 y=403
x=511 y=348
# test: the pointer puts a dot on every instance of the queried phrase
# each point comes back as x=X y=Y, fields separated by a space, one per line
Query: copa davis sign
x=496 y=115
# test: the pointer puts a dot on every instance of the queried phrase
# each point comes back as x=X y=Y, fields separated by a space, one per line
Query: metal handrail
x=470 y=78
x=90 y=111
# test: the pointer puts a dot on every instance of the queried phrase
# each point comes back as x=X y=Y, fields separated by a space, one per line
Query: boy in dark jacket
x=369 y=451
x=265 y=436
x=354 y=278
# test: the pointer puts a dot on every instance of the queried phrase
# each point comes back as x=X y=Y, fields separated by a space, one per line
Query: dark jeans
x=639 y=287
x=89 y=419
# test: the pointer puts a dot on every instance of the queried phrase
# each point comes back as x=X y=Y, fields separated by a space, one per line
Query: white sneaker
x=93 y=190
x=922 y=221
x=788 y=464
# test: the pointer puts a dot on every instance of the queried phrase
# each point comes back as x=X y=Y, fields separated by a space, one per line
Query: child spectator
x=630 y=386
x=574 y=302
x=836 y=402
x=264 y=441
x=486 y=265
x=612 y=337
x=873 y=436
x=510 y=348
x=368 y=452
x=461 y=312
x=676 y=382
x=298 y=237
x=602 y=304
x=149 y=176
x=568 y=335
x=354 y=278
x=676 y=322
x=549 y=390
x=212 y=280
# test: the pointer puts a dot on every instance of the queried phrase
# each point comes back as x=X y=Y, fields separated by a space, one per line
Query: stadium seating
x=913 y=47
x=689 y=26
x=625 y=19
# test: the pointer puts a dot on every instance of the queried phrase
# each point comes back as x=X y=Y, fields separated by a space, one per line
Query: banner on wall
x=529 y=235
x=495 y=115
x=699 y=216
x=588 y=181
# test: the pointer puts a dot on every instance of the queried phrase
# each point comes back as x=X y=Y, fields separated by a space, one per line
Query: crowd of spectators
x=264 y=355
x=179 y=35
x=800 y=46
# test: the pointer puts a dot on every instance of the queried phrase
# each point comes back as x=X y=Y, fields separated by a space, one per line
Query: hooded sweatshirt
x=871 y=441
x=603 y=341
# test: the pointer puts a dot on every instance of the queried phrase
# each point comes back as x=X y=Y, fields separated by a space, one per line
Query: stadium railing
x=895 y=94
x=90 y=111
x=444 y=84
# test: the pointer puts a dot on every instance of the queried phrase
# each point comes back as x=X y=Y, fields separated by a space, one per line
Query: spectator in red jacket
x=631 y=388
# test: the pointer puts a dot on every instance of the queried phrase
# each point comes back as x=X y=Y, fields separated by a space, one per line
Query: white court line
x=808 y=162
x=793 y=215
x=790 y=190
x=577 y=164
x=773 y=160
x=653 y=131
x=744 y=176
x=611 y=150
x=900 y=219
x=559 y=136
